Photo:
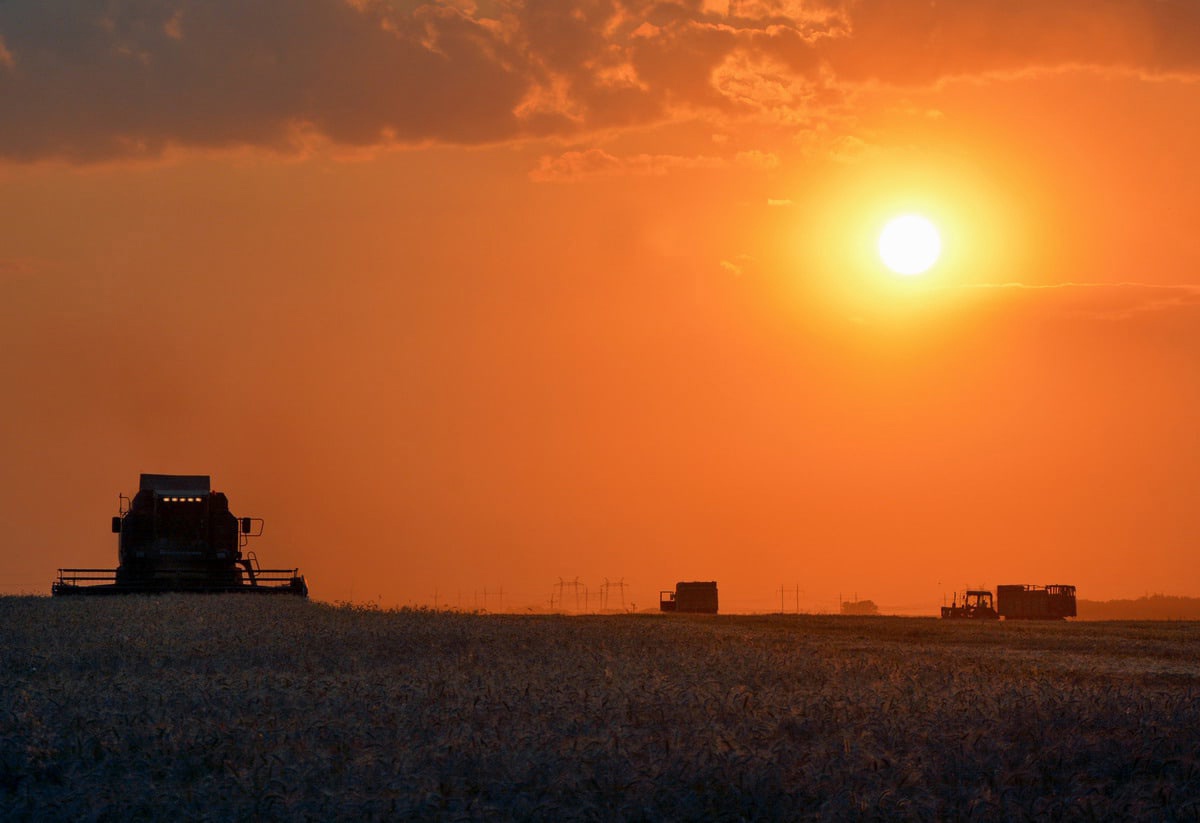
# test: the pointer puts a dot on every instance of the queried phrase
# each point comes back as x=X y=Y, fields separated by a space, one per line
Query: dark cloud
x=88 y=80
x=85 y=81
x=917 y=41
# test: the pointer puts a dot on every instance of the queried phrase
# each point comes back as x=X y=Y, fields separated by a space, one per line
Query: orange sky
x=484 y=294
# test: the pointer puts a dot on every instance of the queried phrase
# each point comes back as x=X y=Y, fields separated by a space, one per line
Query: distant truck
x=1014 y=602
x=1022 y=602
x=697 y=597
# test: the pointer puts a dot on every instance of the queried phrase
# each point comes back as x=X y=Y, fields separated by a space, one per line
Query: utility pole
x=620 y=584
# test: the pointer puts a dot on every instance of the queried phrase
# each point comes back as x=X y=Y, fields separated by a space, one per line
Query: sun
x=909 y=244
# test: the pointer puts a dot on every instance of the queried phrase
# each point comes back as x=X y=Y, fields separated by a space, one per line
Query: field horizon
x=219 y=707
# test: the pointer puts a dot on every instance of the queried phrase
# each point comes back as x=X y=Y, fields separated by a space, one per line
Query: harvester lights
x=183 y=499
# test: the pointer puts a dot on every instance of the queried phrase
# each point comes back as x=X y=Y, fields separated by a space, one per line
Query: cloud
x=904 y=42
x=850 y=149
x=84 y=81
x=1102 y=301
x=574 y=166
x=757 y=160
x=739 y=265
x=94 y=81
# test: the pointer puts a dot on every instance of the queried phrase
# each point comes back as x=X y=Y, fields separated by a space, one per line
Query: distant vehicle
x=178 y=535
x=1014 y=602
x=976 y=605
x=1022 y=602
x=695 y=597
x=859 y=607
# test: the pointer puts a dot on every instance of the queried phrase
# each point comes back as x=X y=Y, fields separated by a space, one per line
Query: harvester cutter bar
x=104 y=582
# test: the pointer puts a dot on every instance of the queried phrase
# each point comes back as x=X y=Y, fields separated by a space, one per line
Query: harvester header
x=178 y=535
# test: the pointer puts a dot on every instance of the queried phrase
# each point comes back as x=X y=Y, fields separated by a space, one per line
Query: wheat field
x=232 y=707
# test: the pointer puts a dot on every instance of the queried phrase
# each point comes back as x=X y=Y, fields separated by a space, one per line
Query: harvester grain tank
x=178 y=535
x=1022 y=602
x=697 y=597
x=976 y=605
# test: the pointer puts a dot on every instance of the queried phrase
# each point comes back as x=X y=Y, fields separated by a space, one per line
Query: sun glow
x=909 y=244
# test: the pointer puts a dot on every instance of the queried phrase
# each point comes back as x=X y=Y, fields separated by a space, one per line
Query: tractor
x=976 y=605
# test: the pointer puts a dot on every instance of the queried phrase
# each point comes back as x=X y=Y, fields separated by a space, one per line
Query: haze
x=479 y=295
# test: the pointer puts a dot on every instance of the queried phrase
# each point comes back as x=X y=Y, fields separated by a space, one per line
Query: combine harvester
x=1014 y=602
x=178 y=535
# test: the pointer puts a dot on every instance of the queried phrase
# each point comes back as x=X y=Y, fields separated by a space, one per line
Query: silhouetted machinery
x=696 y=597
x=178 y=535
x=976 y=605
x=1015 y=602
x=1021 y=602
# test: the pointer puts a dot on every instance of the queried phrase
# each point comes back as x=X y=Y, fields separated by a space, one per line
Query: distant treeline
x=1151 y=607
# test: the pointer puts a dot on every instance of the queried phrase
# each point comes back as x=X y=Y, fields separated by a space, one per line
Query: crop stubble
x=228 y=707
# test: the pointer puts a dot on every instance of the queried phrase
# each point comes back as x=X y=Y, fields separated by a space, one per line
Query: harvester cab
x=178 y=535
x=977 y=604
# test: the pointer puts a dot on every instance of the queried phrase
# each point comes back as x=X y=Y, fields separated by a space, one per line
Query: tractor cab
x=977 y=604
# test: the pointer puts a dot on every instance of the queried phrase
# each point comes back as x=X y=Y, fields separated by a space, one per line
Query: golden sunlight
x=909 y=244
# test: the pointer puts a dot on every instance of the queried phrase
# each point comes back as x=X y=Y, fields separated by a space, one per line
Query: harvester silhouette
x=178 y=535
